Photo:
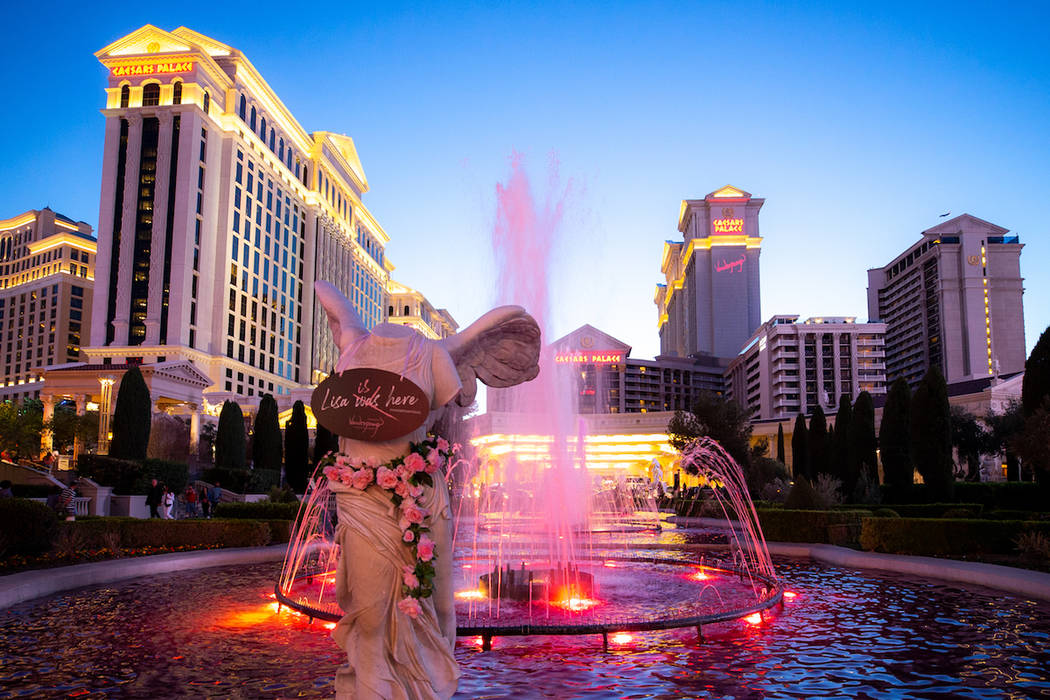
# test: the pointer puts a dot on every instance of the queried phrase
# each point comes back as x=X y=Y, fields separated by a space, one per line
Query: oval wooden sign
x=368 y=404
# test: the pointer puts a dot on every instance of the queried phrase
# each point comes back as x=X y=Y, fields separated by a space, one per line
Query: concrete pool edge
x=27 y=585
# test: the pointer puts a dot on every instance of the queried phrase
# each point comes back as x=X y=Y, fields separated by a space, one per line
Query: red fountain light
x=790 y=594
x=754 y=619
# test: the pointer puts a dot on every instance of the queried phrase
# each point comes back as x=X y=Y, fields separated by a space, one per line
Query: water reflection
x=846 y=634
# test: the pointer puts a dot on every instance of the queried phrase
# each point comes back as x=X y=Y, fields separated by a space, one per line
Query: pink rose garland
x=405 y=478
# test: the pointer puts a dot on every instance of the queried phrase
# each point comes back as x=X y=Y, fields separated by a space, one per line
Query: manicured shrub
x=243 y=480
x=297 y=448
x=125 y=476
x=132 y=415
x=943 y=536
x=815 y=526
x=800 y=449
x=266 y=436
x=939 y=510
x=230 y=447
x=802 y=496
x=894 y=437
x=135 y=532
x=26 y=527
x=886 y=513
x=931 y=434
x=1009 y=515
x=258 y=511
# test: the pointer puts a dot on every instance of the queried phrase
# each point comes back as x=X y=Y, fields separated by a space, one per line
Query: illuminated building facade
x=607 y=380
x=789 y=367
x=47 y=273
x=218 y=212
x=408 y=307
x=710 y=302
x=953 y=300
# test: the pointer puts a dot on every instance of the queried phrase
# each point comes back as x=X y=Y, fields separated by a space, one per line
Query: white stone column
x=46 y=436
x=129 y=220
x=160 y=218
x=195 y=429
x=105 y=412
x=81 y=407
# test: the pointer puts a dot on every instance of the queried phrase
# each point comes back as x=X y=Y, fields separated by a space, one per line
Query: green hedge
x=258 y=511
x=818 y=526
x=136 y=532
x=131 y=477
x=993 y=495
x=31 y=490
x=943 y=536
x=26 y=527
x=243 y=480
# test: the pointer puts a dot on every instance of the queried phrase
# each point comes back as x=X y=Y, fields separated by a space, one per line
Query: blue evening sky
x=859 y=123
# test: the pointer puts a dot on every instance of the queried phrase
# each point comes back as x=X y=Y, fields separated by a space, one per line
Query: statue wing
x=502 y=348
x=346 y=325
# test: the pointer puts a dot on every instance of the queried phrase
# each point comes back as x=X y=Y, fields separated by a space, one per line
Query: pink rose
x=433 y=460
x=403 y=523
x=409 y=606
x=342 y=460
x=410 y=578
x=362 y=478
x=456 y=447
x=425 y=548
x=401 y=489
x=371 y=462
x=412 y=512
x=415 y=491
x=409 y=536
x=386 y=478
x=442 y=444
x=331 y=473
x=414 y=462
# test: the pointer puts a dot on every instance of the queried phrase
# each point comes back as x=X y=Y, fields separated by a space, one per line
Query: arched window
x=125 y=95
x=207 y=101
x=390 y=311
x=271 y=139
x=280 y=149
x=262 y=130
x=251 y=122
x=151 y=95
x=288 y=158
x=406 y=311
x=176 y=93
x=244 y=107
x=306 y=174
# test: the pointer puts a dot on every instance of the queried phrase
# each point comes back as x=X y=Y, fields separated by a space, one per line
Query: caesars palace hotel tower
x=218 y=211
x=710 y=303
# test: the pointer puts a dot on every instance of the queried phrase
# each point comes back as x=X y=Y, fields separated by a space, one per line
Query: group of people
x=195 y=503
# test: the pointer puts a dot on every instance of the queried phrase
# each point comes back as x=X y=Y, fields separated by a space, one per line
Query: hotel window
x=207 y=101
x=125 y=95
x=251 y=122
x=176 y=93
x=243 y=108
x=262 y=130
x=151 y=95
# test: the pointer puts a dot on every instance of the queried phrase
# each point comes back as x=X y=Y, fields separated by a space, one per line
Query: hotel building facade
x=789 y=367
x=408 y=307
x=953 y=300
x=218 y=212
x=47 y=272
x=710 y=302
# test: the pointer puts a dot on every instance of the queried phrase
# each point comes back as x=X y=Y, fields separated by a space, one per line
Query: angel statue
x=394 y=578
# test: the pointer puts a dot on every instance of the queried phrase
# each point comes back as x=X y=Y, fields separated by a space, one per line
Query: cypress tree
x=841 y=466
x=819 y=444
x=800 y=448
x=780 y=443
x=1035 y=387
x=132 y=417
x=931 y=434
x=895 y=435
x=297 y=448
x=229 y=440
x=861 y=438
x=324 y=442
x=266 y=436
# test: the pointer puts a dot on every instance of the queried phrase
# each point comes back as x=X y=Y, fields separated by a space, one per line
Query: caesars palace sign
x=166 y=66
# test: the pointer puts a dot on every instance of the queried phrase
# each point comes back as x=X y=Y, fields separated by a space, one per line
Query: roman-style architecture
x=789 y=367
x=47 y=275
x=709 y=303
x=218 y=211
x=408 y=307
x=953 y=300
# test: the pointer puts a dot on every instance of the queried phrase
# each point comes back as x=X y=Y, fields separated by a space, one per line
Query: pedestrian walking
x=153 y=498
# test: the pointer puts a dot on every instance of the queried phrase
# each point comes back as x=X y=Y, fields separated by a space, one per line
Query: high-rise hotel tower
x=218 y=211
x=710 y=303
x=952 y=300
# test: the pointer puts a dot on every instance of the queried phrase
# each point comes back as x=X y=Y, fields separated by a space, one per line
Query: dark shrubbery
x=132 y=415
x=243 y=480
x=886 y=513
x=802 y=496
x=943 y=536
x=26 y=527
x=816 y=526
x=258 y=511
x=136 y=532
x=993 y=495
x=131 y=477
